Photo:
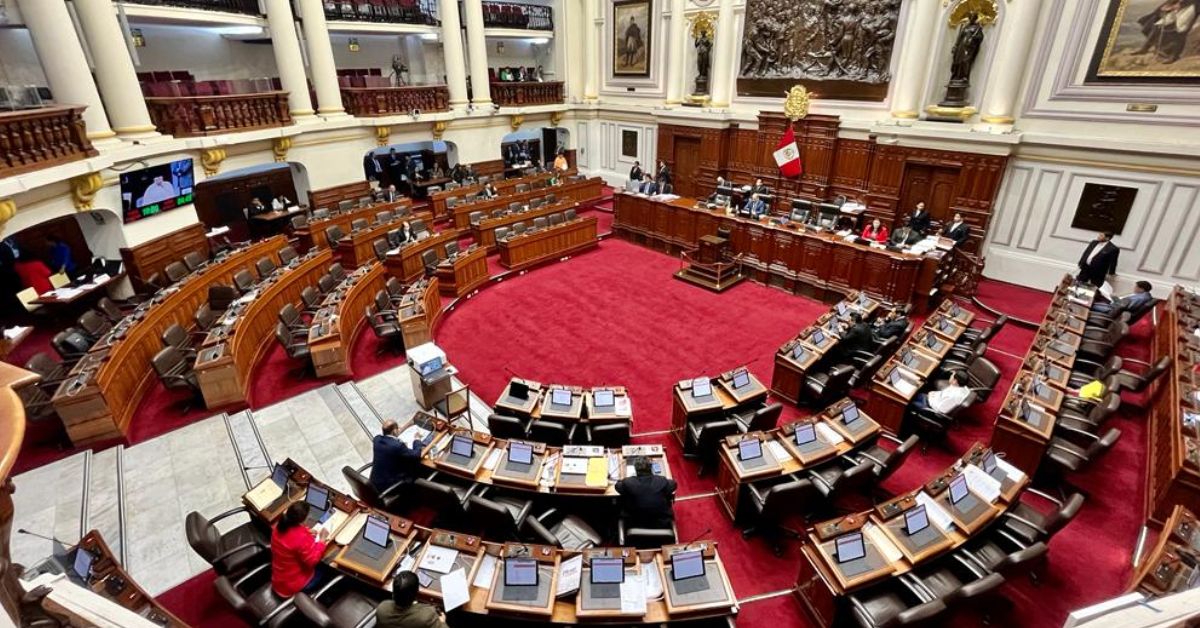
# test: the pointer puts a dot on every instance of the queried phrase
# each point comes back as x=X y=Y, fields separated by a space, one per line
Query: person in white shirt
x=280 y=203
x=946 y=399
x=157 y=191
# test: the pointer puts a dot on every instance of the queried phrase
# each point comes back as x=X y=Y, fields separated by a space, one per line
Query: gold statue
x=798 y=100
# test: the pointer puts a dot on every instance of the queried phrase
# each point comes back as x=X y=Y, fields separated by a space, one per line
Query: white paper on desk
x=940 y=517
x=882 y=543
x=828 y=434
x=487 y=569
x=406 y=564
x=624 y=406
x=981 y=483
x=493 y=459
x=633 y=597
x=1014 y=474
x=217 y=231
x=574 y=465
x=413 y=432
x=651 y=583
x=905 y=387
x=548 y=466
x=614 y=467
x=439 y=559
x=454 y=589
x=778 y=451
x=351 y=529
x=248 y=297
x=13 y=332
x=570 y=572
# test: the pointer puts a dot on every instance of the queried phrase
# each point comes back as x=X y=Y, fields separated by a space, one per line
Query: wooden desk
x=464 y=273
x=358 y=247
x=580 y=191
x=687 y=408
x=504 y=187
x=313 y=234
x=485 y=230
x=583 y=409
x=817 y=263
x=75 y=294
x=405 y=263
x=419 y=310
x=557 y=241
x=341 y=317
x=225 y=361
x=1162 y=571
x=331 y=196
x=785 y=456
x=798 y=356
x=98 y=400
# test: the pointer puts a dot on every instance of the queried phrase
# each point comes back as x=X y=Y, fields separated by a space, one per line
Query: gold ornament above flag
x=796 y=105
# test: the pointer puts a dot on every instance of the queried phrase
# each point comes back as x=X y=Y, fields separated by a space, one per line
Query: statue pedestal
x=954 y=107
x=697 y=100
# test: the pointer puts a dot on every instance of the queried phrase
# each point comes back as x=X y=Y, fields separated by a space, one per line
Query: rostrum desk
x=99 y=397
x=535 y=247
x=820 y=263
x=335 y=326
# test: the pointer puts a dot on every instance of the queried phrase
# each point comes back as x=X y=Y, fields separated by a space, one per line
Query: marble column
x=288 y=60
x=115 y=74
x=915 y=59
x=723 y=56
x=1008 y=68
x=481 y=89
x=64 y=63
x=676 y=53
x=452 y=50
x=592 y=52
x=320 y=58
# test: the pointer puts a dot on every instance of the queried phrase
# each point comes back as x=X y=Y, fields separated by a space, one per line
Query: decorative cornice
x=84 y=188
x=211 y=159
x=280 y=147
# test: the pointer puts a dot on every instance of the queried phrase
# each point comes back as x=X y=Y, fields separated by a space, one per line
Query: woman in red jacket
x=296 y=553
x=875 y=232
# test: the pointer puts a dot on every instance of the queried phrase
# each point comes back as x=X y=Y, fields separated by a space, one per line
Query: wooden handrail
x=190 y=116
x=383 y=101
x=508 y=94
x=32 y=139
x=12 y=434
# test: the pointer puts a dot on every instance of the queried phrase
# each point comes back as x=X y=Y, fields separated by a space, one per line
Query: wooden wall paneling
x=851 y=168
x=153 y=256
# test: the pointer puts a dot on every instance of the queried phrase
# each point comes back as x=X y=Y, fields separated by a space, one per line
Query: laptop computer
x=520 y=579
x=687 y=572
x=607 y=576
x=462 y=450
x=318 y=500
x=376 y=534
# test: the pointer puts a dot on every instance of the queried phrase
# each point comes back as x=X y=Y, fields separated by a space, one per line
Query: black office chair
x=243 y=281
x=474 y=218
x=287 y=255
x=507 y=427
x=393 y=499
x=501 y=234
x=193 y=260
x=50 y=372
x=387 y=331
x=175 y=271
x=310 y=300
x=419 y=229
x=264 y=266
x=295 y=347
x=837 y=483
x=383 y=217
x=1065 y=456
x=451 y=249
x=556 y=528
x=772 y=503
x=333 y=235
x=553 y=433
x=337 y=272
x=395 y=290
x=975 y=335
x=359 y=224
x=383 y=305
x=933 y=425
x=176 y=336
x=290 y=316
x=761 y=419
x=71 y=344
x=230 y=553
x=893 y=602
x=1133 y=382
x=350 y=606
x=253 y=598
x=94 y=325
x=221 y=296
x=429 y=259
x=705 y=438
x=326 y=284
x=444 y=496
x=998 y=551
x=611 y=434
x=1031 y=525
x=556 y=219
x=645 y=537
x=500 y=518
x=539 y=223
x=379 y=246
x=113 y=312
x=885 y=460
x=821 y=388
x=570 y=215
x=176 y=373
x=300 y=222
x=954 y=580
x=205 y=317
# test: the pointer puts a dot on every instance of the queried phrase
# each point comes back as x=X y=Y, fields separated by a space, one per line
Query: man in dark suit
x=393 y=460
x=664 y=174
x=760 y=188
x=648 y=187
x=648 y=500
x=919 y=220
x=856 y=338
x=754 y=207
x=403 y=610
x=891 y=325
x=635 y=173
x=957 y=230
x=1099 y=260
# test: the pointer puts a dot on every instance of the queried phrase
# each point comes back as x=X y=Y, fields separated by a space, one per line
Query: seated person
x=403 y=610
x=256 y=208
x=856 y=337
x=458 y=173
x=489 y=191
x=33 y=274
x=720 y=195
x=406 y=233
x=296 y=553
x=560 y=161
x=957 y=230
x=437 y=172
x=647 y=500
x=471 y=176
x=946 y=399
x=648 y=187
x=760 y=188
x=754 y=207
x=892 y=324
x=1137 y=299
x=393 y=459
x=60 y=256
x=390 y=194
x=875 y=232
x=280 y=203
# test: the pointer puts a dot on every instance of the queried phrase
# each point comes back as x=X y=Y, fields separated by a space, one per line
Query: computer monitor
x=916 y=519
x=799 y=215
x=850 y=414
x=701 y=387
x=841 y=309
x=989 y=462
x=377 y=530
x=462 y=446
x=749 y=449
x=850 y=547
x=560 y=396
x=818 y=337
x=805 y=433
x=741 y=379
x=520 y=453
x=520 y=572
x=279 y=476
x=863 y=299
x=1040 y=389
x=955 y=310
x=603 y=398
x=518 y=390
x=317 y=497
x=83 y=563
x=958 y=488
x=944 y=324
x=608 y=570
x=931 y=341
x=798 y=352
x=894 y=377
x=907 y=357
x=687 y=564
x=431 y=367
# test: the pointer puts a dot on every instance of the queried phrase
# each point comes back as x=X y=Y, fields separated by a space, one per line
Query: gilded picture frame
x=632 y=37
x=1148 y=41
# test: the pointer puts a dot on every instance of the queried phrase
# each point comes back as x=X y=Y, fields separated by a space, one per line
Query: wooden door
x=932 y=185
x=687 y=163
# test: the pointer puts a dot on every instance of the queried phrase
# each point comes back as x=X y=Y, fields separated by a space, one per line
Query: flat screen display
x=462 y=446
x=377 y=531
x=818 y=338
x=279 y=476
x=798 y=352
x=916 y=519
x=701 y=387
x=850 y=547
x=894 y=377
x=317 y=496
x=520 y=572
x=520 y=453
x=560 y=397
x=83 y=563
x=689 y=564
x=958 y=488
x=805 y=434
x=608 y=570
x=749 y=449
x=156 y=189
x=603 y=398
x=741 y=379
x=850 y=414
x=931 y=341
x=989 y=462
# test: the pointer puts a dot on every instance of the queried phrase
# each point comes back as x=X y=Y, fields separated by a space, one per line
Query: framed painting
x=629 y=143
x=1103 y=208
x=1148 y=41
x=632 y=37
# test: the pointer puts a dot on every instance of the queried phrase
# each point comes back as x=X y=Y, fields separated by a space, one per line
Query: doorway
x=929 y=184
x=687 y=163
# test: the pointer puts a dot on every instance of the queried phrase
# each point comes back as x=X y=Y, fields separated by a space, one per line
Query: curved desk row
x=463 y=273
x=484 y=230
x=907 y=371
x=483 y=565
x=98 y=400
x=313 y=234
x=580 y=190
x=405 y=263
x=226 y=359
x=418 y=311
x=335 y=326
x=535 y=247
x=791 y=448
x=889 y=551
x=527 y=398
x=1165 y=570
x=793 y=255
x=437 y=200
x=796 y=357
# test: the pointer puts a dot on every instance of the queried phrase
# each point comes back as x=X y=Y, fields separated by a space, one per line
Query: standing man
x=647 y=500
x=1099 y=260
x=635 y=173
x=957 y=230
x=664 y=174
x=393 y=460
x=919 y=220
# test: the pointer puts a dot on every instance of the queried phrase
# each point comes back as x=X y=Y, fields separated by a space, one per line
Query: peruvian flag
x=787 y=155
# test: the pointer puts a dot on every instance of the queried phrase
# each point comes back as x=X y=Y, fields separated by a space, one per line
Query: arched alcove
x=392 y=164
x=222 y=200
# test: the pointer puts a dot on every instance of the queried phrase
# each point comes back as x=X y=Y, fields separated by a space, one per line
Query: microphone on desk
x=43 y=537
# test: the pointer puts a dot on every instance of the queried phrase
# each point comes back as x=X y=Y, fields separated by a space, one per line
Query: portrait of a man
x=1148 y=41
x=631 y=38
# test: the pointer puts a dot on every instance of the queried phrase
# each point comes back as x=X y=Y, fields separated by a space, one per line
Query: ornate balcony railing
x=248 y=7
x=390 y=11
x=188 y=116
x=527 y=93
x=32 y=139
x=384 y=101
x=517 y=15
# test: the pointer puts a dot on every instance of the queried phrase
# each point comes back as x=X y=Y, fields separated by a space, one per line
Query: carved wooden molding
x=210 y=159
x=84 y=188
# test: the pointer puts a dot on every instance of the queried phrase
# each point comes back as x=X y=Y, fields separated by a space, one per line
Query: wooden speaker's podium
x=431 y=376
x=707 y=267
